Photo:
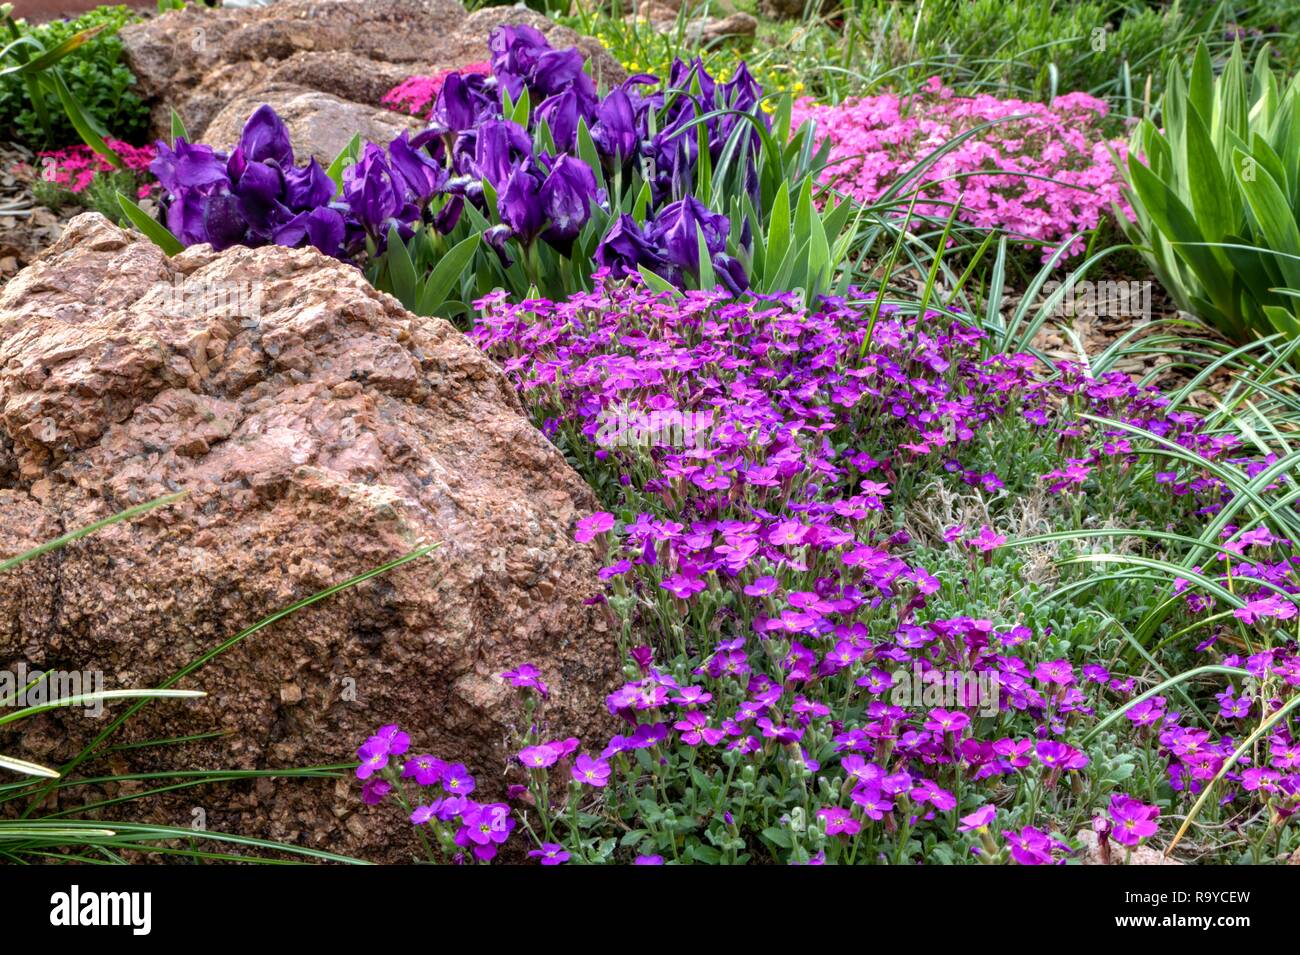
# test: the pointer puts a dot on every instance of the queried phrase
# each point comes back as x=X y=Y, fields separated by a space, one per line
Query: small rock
x=1142 y=855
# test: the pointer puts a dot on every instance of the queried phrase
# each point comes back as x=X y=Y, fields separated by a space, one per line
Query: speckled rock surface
x=319 y=124
x=320 y=431
x=196 y=60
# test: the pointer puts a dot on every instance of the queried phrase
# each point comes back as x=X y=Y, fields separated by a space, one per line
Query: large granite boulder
x=196 y=60
x=320 y=431
x=319 y=124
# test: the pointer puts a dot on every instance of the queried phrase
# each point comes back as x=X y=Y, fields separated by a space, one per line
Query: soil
x=25 y=227
x=39 y=11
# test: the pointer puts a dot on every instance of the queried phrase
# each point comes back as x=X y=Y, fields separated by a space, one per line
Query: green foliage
x=798 y=236
x=1217 y=196
x=95 y=76
x=1035 y=48
x=100 y=195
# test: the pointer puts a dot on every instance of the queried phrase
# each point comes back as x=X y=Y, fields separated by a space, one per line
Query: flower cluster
x=527 y=178
x=1042 y=172
x=464 y=829
x=255 y=195
x=416 y=95
x=75 y=167
x=803 y=693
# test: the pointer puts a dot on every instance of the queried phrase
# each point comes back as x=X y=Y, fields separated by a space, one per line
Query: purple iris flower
x=423 y=176
x=561 y=114
x=259 y=189
x=615 y=132
x=521 y=58
x=223 y=224
x=675 y=233
x=566 y=196
x=374 y=193
x=464 y=100
x=307 y=187
x=323 y=227
x=192 y=176
x=266 y=139
x=515 y=50
x=625 y=247
x=520 y=203
x=500 y=147
x=187 y=166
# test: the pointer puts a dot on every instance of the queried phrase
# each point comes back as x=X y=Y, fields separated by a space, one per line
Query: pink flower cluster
x=1044 y=175
x=416 y=95
x=75 y=166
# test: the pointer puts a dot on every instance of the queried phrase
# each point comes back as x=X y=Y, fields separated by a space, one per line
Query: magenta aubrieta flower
x=374 y=753
x=426 y=770
x=457 y=781
x=872 y=802
x=1056 y=755
x=839 y=822
x=373 y=791
x=527 y=676
x=775 y=618
x=374 y=757
x=485 y=827
x=550 y=853
x=1031 y=846
x=393 y=738
x=981 y=818
x=1271 y=606
x=987 y=540
x=539 y=757
x=1059 y=672
x=1133 y=820
x=422 y=814
x=592 y=525
x=1147 y=712
x=591 y=771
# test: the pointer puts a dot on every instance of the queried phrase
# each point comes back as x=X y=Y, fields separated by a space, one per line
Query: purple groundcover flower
x=539 y=757
x=457 y=781
x=550 y=853
x=527 y=676
x=839 y=822
x=771 y=604
x=591 y=771
x=425 y=770
x=1133 y=820
x=592 y=525
x=981 y=818
x=1031 y=846
x=484 y=827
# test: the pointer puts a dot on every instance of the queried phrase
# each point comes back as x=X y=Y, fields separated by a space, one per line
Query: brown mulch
x=41 y=11
x=25 y=227
x=1083 y=337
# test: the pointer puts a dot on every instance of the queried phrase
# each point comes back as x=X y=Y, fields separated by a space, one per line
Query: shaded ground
x=25 y=227
x=38 y=11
